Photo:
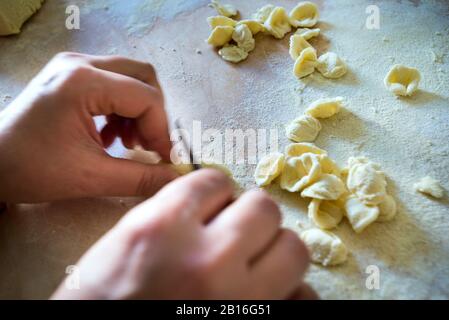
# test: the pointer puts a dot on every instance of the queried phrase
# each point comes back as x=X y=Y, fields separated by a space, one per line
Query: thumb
x=121 y=177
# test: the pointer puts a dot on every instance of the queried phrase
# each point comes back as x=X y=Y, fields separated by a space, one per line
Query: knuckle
x=146 y=183
x=67 y=55
x=263 y=200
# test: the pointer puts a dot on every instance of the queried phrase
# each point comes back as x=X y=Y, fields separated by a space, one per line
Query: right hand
x=192 y=241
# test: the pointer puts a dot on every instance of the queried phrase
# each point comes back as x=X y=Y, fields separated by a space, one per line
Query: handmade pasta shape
x=328 y=187
x=221 y=21
x=306 y=63
x=402 y=80
x=244 y=38
x=269 y=168
x=329 y=166
x=307 y=33
x=220 y=36
x=366 y=181
x=297 y=45
x=253 y=25
x=429 y=186
x=263 y=13
x=359 y=214
x=325 y=214
x=299 y=172
x=303 y=129
x=387 y=209
x=305 y=14
x=324 y=247
x=298 y=149
x=331 y=66
x=277 y=23
x=233 y=53
x=325 y=108
x=226 y=10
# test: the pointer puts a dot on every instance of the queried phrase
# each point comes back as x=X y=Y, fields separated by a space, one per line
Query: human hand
x=50 y=148
x=191 y=241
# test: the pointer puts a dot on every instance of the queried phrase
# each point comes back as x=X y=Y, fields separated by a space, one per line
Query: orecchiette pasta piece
x=269 y=168
x=298 y=149
x=277 y=23
x=324 y=247
x=220 y=36
x=325 y=214
x=329 y=166
x=299 y=172
x=359 y=214
x=402 y=80
x=233 y=54
x=366 y=181
x=226 y=10
x=305 y=14
x=387 y=209
x=328 y=187
x=308 y=33
x=325 y=108
x=304 y=128
x=297 y=45
x=253 y=25
x=244 y=38
x=221 y=21
x=429 y=186
x=263 y=13
x=306 y=63
x=331 y=66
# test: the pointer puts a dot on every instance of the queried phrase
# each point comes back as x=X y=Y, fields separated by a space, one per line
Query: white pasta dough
x=226 y=10
x=243 y=36
x=325 y=247
x=328 y=187
x=325 y=214
x=269 y=168
x=297 y=45
x=298 y=149
x=221 y=21
x=254 y=25
x=325 y=108
x=307 y=33
x=306 y=63
x=263 y=13
x=299 y=172
x=303 y=129
x=359 y=214
x=331 y=66
x=277 y=23
x=387 y=209
x=233 y=53
x=402 y=80
x=305 y=14
x=220 y=36
x=430 y=186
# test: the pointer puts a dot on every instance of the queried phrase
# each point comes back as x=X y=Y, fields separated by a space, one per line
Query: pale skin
x=192 y=239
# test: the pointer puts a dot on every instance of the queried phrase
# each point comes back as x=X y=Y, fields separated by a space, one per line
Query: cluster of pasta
x=357 y=192
x=236 y=38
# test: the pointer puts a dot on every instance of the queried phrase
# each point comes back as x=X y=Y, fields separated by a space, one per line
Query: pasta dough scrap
x=306 y=63
x=359 y=214
x=298 y=149
x=297 y=45
x=366 y=181
x=307 y=33
x=253 y=25
x=328 y=187
x=220 y=36
x=226 y=10
x=233 y=53
x=299 y=172
x=325 y=214
x=325 y=108
x=331 y=66
x=429 y=186
x=269 y=168
x=303 y=129
x=244 y=38
x=277 y=23
x=305 y=14
x=387 y=209
x=324 y=247
x=263 y=13
x=14 y=13
x=221 y=21
x=402 y=80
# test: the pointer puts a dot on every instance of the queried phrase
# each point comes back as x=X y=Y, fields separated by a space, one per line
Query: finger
x=250 y=224
x=201 y=194
x=131 y=98
x=108 y=134
x=278 y=272
x=120 y=177
x=304 y=292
